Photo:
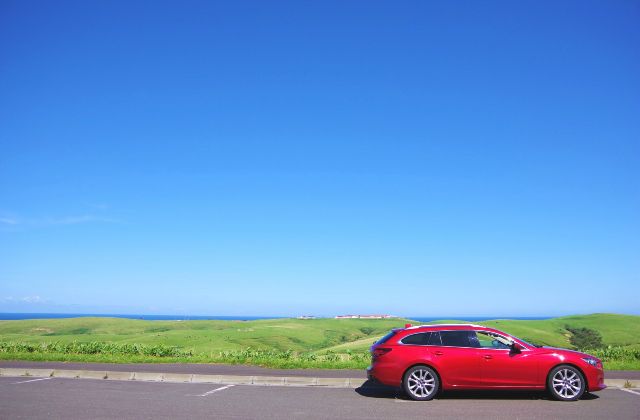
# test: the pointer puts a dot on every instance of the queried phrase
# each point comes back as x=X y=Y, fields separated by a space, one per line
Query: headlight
x=590 y=360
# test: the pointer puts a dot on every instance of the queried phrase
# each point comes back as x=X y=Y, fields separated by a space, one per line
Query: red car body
x=521 y=366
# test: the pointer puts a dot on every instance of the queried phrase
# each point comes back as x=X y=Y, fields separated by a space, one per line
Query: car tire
x=421 y=383
x=566 y=383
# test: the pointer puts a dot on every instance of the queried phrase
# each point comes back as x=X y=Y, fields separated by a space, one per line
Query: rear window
x=455 y=338
x=419 y=339
x=386 y=338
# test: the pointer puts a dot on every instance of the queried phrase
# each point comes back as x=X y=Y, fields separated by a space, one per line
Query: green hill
x=616 y=330
x=273 y=342
x=201 y=336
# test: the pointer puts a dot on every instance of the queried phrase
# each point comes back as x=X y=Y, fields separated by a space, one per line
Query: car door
x=457 y=362
x=503 y=367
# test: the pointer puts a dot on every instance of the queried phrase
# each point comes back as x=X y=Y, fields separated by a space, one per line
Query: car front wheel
x=566 y=383
x=421 y=383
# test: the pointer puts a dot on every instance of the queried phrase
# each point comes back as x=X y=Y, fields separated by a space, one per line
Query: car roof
x=439 y=326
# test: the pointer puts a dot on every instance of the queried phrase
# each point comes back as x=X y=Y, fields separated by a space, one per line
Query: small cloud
x=33 y=299
x=24 y=299
x=9 y=221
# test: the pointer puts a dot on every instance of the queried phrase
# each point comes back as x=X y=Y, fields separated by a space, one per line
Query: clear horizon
x=322 y=158
x=414 y=316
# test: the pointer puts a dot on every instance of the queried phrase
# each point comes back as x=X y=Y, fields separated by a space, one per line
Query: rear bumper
x=370 y=375
x=387 y=375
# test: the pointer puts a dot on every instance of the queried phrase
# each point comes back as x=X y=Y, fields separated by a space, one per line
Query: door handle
x=486 y=356
x=438 y=353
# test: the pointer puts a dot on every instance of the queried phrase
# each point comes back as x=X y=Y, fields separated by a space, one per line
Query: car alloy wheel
x=421 y=383
x=566 y=383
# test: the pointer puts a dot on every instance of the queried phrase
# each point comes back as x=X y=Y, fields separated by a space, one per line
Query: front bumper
x=595 y=379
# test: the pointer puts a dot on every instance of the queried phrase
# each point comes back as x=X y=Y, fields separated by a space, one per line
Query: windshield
x=528 y=343
x=507 y=340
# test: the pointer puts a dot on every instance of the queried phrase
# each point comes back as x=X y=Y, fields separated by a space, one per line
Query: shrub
x=95 y=347
x=585 y=338
x=617 y=353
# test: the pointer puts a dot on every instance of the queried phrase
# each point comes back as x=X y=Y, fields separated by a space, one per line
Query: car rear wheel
x=566 y=383
x=421 y=383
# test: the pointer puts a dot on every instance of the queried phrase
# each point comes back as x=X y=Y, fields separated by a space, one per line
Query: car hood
x=565 y=351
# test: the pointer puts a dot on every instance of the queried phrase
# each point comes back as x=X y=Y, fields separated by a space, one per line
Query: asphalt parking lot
x=56 y=398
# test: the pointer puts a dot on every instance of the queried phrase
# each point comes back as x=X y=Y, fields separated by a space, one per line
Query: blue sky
x=279 y=158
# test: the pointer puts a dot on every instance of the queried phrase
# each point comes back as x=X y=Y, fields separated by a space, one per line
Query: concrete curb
x=620 y=383
x=293 y=381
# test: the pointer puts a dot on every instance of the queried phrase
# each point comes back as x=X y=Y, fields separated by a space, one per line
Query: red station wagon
x=429 y=358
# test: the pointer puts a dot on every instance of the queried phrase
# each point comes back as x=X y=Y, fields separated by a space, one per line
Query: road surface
x=55 y=398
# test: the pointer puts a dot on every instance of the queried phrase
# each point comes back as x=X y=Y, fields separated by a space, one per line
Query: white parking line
x=31 y=380
x=630 y=391
x=215 y=390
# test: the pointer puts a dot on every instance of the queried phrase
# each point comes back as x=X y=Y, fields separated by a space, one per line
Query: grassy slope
x=321 y=335
x=201 y=336
x=616 y=330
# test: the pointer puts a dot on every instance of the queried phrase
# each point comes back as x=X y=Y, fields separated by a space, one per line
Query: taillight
x=380 y=351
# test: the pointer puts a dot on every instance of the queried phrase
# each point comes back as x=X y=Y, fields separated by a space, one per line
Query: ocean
x=18 y=316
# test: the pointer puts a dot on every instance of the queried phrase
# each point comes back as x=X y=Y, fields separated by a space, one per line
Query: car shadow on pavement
x=374 y=390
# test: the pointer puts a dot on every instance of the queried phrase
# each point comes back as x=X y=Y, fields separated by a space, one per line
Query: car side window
x=420 y=339
x=455 y=338
x=434 y=340
x=487 y=340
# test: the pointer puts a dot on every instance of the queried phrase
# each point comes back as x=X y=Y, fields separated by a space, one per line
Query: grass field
x=321 y=343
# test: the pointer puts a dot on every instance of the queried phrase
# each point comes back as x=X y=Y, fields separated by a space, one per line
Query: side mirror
x=515 y=347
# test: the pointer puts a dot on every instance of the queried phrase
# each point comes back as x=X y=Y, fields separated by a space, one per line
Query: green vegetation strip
x=618 y=357
x=98 y=351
